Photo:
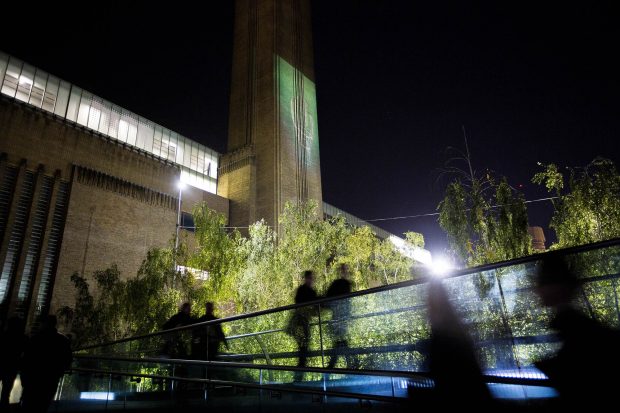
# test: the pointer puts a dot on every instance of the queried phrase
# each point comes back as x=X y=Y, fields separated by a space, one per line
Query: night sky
x=395 y=82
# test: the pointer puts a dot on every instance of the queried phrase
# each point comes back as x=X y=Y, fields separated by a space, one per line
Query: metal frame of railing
x=489 y=378
x=521 y=379
x=419 y=345
x=274 y=388
x=424 y=380
x=453 y=274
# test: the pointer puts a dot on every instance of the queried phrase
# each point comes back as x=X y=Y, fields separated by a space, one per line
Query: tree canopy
x=587 y=207
x=485 y=221
x=244 y=273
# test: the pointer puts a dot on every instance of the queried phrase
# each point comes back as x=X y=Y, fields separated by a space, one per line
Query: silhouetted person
x=13 y=343
x=299 y=324
x=584 y=370
x=453 y=363
x=174 y=345
x=46 y=358
x=180 y=319
x=207 y=339
x=341 y=312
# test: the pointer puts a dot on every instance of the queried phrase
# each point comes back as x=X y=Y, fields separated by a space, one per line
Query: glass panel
x=62 y=102
x=84 y=108
x=4 y=61
x=94 y=113
x=38 y=89
x=11 y=77
x=115 y=120
x=51 y=94
x=157 y=140
x=74 y=103
x=145 y=135
x=24 y=85
x=106 y=110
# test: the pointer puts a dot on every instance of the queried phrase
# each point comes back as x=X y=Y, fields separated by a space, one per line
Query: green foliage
x=272 y=265
x=589 y=209
x=415 y=239
x=485 y=221
x=245 y=274
x=119 y=308
x=217 y=253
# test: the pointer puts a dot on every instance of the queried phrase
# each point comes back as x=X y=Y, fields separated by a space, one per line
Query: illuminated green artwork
x=298 y=115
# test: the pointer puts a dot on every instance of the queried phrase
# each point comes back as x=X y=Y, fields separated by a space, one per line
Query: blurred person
x=207 y=340
x=180 y=319
x=299 y=324
x=13 y=343
x=341 y=312
x=47 y=357
x=584 y=370
x=453 y=361
x=174 y=344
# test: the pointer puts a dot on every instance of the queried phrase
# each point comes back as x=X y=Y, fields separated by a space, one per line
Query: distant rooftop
x=26 y=83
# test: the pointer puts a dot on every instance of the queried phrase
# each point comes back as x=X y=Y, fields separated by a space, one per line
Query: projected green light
x=298 y=114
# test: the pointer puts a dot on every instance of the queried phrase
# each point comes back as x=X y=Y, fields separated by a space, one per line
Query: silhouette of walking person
x=453 y=363
x=46 y=358
x=174 y=345
x=341 y=311
x=299 y=324
x=13 y=342
x=208 y=339
x=583 y=371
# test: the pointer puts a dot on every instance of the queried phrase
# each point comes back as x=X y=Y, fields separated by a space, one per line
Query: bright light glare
x=440 y=266
x=24 y=80
x=181 y=185
x=96 y=395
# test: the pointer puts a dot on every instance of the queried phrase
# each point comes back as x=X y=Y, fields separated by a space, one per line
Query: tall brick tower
x=273 y=145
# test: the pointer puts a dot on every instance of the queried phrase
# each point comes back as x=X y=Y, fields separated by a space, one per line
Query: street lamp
x=441 y=266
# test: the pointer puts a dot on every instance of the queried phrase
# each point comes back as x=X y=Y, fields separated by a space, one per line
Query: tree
x=484 y=217
x=118 y=308
x=217 y=253
x=588 y=208
x=245 y=274
x=485 y=221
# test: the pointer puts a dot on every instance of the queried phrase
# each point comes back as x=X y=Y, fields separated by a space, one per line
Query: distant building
x=538 y=238
x=85 y=183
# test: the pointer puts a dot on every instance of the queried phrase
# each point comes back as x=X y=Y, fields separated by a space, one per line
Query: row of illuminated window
x=38 y=88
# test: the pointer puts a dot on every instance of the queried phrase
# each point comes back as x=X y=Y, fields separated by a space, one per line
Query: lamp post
x=181 y=186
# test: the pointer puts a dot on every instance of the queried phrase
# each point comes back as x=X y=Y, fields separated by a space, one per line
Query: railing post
x=206 y=385
x=107 y=396
x=324 y=375
x=321 y=337
x=260 y=390
x=504 y=316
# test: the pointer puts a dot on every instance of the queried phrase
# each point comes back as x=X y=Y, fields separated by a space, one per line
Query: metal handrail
x=391 y=348
x=489 y=378
x=422 y=280
x=261 y=366
x=283 y=388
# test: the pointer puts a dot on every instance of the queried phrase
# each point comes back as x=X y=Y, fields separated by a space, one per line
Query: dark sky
x=395 y=81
